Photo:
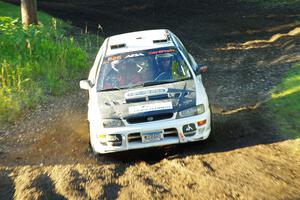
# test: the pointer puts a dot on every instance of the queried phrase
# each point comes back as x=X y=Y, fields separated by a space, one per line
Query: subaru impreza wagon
x=145 y=90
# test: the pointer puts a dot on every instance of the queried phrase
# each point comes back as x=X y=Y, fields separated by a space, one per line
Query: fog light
x=102 y=139
x=110 y=139
x=201 y=123
x=114 y=139
x=102 y=136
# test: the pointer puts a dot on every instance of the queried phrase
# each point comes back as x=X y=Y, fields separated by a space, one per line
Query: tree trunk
x=29 y=12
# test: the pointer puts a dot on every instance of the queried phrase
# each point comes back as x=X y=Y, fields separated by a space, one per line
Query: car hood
x=145 y=101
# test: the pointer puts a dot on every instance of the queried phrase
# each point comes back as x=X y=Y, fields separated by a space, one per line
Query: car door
x=93 y=81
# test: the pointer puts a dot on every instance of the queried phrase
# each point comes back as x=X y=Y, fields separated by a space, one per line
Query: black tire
x=211 y=137
x=92 y=151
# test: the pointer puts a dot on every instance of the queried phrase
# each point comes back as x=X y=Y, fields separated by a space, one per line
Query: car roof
x=137 y=41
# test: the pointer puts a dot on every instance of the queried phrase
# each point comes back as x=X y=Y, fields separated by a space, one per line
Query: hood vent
x=160 y=41
x=117 y=46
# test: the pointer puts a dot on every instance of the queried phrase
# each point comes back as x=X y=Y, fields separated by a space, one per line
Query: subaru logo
x=149 y=119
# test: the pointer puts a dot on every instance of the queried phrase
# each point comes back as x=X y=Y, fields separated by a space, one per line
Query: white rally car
x=145 y=90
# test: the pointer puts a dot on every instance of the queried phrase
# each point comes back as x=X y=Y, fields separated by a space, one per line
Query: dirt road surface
x=46 y=155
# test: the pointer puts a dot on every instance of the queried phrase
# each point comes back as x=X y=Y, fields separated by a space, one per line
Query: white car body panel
x=136 y=41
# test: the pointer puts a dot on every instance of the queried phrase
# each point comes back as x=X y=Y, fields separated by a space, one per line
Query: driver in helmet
x=164 y=62
x=170 y=67
x=132 y=74
x=122 y=75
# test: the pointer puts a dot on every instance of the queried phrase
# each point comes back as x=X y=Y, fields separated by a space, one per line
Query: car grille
x=136 y=137
x=150 y=118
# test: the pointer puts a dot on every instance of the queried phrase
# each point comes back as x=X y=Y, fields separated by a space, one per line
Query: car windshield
x=142 y=68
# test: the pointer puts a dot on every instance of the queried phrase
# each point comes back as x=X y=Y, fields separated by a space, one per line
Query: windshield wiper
x=110 y=89
x=150 y=83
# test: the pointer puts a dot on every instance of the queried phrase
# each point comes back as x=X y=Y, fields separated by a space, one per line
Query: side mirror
x=203 y=69
x=85 y=84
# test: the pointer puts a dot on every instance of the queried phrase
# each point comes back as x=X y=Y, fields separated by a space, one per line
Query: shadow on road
x=237 y=77
x=45 y=185
x=230 y=132
x=7 y=186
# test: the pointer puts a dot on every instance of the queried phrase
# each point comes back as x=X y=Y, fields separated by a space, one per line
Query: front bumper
x=172 y=129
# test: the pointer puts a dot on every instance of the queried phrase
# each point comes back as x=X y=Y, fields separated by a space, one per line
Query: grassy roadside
x=37 y=61
x=285 y=104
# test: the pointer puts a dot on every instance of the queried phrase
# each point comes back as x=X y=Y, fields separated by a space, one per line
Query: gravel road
x=46 y=154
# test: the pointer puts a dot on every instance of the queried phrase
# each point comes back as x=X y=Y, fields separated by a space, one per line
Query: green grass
x=285 y=103
x=37 y=61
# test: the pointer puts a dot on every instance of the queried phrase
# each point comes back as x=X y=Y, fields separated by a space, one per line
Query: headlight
x=196 y=110
x=112 y=123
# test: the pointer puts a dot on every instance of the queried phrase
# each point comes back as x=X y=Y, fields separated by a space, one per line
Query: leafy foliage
x=285 y=103
x=35 y=61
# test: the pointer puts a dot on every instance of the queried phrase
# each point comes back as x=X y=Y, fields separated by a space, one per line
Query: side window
x=194 y=64
x=183 y=49
x=95 y=68
x=179 y=67
x=93 y=72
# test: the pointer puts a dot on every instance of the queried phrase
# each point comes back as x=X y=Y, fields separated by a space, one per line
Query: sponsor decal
x=145 y=92
x=189 y=128
x=137 y=54
x=134 y=55
x=113 y=58
x=150 y=107
x=161 y=51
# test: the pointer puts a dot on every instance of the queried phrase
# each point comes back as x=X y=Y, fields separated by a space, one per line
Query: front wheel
x=92 y=150
x=212 y=129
